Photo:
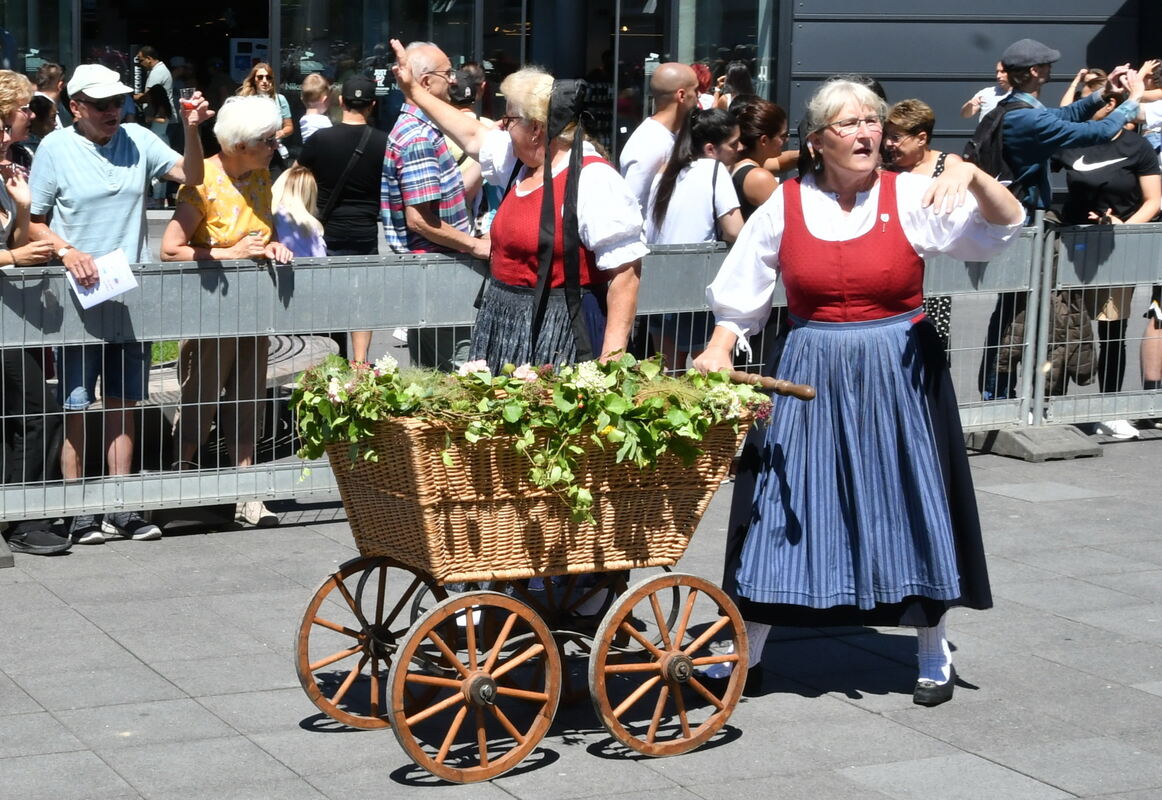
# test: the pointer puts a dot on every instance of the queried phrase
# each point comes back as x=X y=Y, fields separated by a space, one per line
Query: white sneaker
x=255 y=513
x=1119 y=429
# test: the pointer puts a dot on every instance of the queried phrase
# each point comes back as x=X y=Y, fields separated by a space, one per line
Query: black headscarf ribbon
x=566 y=106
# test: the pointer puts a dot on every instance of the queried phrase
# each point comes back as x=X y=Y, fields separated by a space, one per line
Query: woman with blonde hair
x=526 y=312
x=294 y=200
x=16 y=93
x=260 y=81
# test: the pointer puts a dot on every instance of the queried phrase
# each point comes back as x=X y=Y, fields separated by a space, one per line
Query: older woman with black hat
x=573 y=299
x=857 y=508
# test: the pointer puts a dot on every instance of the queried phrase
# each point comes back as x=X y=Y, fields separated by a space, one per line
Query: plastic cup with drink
x=187 y=97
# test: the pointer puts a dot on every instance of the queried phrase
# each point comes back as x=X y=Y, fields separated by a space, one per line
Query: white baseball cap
x=96 y=82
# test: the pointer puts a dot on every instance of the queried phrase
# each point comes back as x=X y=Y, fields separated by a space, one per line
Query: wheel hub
x=678 y=668
x=480 y=689
x=381 y=642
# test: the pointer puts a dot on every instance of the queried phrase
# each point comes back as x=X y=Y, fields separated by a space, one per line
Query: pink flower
x=472 y=367
x=526 y=373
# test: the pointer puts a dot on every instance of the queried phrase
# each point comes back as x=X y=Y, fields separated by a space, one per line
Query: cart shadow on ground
x=851 y=663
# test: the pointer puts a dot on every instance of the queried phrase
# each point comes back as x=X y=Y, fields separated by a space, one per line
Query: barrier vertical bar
x=1043 y=253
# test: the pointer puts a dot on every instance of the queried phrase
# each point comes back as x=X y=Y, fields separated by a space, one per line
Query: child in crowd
x=316 y=94
x=293 y=198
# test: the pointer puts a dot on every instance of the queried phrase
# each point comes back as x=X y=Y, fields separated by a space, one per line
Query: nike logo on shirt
x=1081 y=166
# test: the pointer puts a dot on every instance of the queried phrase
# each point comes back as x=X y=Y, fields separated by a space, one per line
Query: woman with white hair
x=228 y=217
x=857 y=508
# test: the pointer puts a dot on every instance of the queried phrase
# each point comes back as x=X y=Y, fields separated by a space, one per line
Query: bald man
x=674 y=87
x=424 y=206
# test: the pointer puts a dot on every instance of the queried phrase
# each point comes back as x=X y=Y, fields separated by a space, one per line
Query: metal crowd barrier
x=1093 y=264
x=299 y=306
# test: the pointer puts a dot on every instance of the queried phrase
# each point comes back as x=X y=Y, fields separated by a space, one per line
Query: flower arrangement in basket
x=552 y=415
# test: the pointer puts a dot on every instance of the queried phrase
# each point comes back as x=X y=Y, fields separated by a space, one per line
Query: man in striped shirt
x=423 y=205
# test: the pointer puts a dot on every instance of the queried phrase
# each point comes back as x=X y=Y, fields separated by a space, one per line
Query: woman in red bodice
x=526 y=313
x=857 y=508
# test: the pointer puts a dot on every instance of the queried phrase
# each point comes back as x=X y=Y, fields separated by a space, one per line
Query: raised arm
x=997 y=204
x=466 y=131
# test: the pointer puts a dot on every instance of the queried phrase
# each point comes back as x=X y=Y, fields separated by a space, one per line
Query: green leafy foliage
x=624 y=404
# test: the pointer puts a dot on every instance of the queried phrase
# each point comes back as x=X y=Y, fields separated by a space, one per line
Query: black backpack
x=986 y=147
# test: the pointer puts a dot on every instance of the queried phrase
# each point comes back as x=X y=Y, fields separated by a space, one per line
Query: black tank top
x=739 y=177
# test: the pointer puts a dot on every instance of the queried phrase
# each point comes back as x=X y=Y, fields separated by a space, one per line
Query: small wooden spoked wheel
x=474 y=686
x=349 y=635
x=650 y=694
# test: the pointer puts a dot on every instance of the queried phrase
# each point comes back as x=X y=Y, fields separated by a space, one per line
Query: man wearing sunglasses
x=92 y=177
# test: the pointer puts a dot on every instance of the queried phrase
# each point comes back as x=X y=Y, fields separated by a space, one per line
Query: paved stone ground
x=163 y=670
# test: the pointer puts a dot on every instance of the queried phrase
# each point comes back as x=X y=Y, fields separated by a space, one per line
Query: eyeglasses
x=446 y=74
x=105 y=104
x=897 y=136
x=269 y=141
x=508 y=120
x=850 y=126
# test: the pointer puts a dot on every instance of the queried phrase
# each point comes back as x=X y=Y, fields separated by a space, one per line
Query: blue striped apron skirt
x=857 y=507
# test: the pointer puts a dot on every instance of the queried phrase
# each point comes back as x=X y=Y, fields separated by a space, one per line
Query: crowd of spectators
x=77 y=179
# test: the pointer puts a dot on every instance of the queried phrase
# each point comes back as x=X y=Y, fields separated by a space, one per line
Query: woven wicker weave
x=479 y=518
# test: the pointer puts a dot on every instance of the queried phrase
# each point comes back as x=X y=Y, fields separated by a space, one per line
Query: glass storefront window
x=722 y=31
x=33 y=33
x=341 y=38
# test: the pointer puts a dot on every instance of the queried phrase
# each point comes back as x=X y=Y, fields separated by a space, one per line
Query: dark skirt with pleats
x=503 y=325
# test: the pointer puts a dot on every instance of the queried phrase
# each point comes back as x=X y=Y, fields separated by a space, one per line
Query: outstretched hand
x=404 y=77
x=947 y=193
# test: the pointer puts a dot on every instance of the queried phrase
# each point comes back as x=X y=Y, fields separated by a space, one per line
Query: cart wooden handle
x=800 y=390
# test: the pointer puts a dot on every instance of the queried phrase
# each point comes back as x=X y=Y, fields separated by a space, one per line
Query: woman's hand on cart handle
x=800 y=390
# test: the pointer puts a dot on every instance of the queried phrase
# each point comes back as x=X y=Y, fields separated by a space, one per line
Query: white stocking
x=933 y=654
x=756 y=637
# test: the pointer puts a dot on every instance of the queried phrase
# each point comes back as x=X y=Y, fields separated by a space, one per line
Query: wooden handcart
x=451 y=626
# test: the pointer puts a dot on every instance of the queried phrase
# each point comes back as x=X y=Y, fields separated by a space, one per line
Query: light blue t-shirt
x=97 y=193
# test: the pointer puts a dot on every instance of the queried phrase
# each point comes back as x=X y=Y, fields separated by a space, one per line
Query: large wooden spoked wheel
x=474 y=686
x=349 y=635
x=643 y=670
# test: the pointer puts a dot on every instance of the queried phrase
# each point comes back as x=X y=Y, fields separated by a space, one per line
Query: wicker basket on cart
x=478 y=517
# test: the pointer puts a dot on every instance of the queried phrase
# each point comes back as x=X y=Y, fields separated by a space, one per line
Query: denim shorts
x=123 y=367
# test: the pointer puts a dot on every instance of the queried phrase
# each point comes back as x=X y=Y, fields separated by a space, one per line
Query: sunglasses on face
x=262 y=77
x=104 y=104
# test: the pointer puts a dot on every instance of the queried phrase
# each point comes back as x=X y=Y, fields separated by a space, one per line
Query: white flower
x=386 y=365
x=589 y=376
x=724 y=400
x=334 y=389
x=472 y=367
x=525 y=372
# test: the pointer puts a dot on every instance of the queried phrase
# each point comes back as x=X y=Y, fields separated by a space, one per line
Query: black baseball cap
x=358 y=91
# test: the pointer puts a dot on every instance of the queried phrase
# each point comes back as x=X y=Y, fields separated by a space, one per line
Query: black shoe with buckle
x=930 y=693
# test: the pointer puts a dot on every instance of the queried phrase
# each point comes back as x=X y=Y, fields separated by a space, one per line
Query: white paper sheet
x=114 y=278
